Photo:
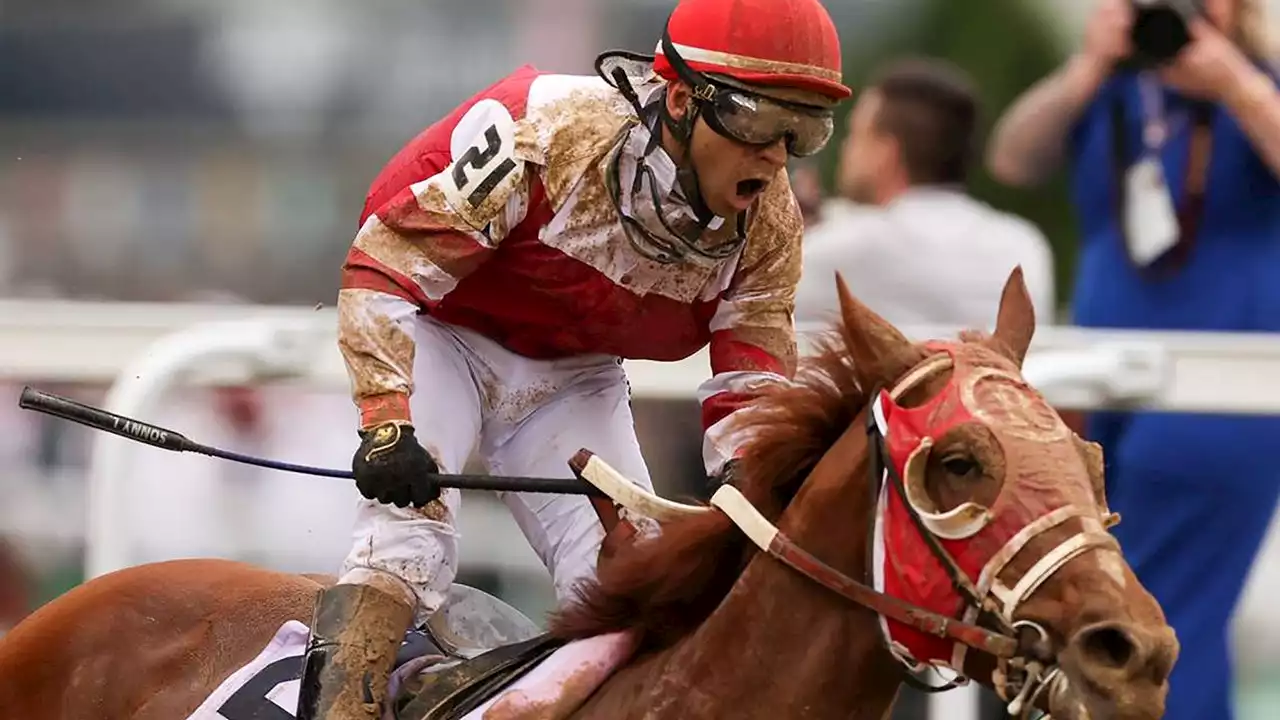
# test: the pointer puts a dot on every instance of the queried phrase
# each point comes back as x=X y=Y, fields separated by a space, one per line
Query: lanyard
x=1155 y=132
x=1155 y=120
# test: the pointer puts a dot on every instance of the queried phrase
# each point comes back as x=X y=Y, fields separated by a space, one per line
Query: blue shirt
x=1230 y=281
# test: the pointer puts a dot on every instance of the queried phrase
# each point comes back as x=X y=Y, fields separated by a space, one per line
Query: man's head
x=914 y=124
x=732 y=173
x=750 y=83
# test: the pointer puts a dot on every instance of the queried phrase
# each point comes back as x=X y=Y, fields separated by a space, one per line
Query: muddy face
x=1116 y=657
x=1001 y=453
x=732 y=175
x=988 y=464
x=1108 y=634
x=1102 y=628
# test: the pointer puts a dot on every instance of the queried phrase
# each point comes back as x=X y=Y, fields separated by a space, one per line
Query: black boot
x=354 y=637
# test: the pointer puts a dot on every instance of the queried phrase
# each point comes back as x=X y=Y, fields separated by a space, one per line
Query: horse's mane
x=666 y=586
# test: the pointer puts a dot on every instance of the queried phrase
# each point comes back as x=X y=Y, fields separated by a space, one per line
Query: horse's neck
x=780 y=645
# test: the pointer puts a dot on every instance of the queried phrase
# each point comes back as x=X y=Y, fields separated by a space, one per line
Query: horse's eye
x=959 y=464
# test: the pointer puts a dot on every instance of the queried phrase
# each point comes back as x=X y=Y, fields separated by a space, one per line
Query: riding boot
x=354 y=637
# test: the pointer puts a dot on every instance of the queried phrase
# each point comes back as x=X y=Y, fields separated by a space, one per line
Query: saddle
x=465 y=654
x=476 y=645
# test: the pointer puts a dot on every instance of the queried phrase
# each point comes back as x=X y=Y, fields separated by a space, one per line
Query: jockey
x=513 y=253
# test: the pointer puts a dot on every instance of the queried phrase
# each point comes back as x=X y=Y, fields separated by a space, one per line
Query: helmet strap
x=682 y=131
x=701 y=87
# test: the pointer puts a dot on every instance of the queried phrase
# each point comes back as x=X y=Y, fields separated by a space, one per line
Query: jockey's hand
x=393 y=468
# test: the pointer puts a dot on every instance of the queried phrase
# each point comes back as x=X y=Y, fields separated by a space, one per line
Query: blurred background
x=186 y=151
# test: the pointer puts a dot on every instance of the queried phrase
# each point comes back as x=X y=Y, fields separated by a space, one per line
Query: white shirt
x=932 y=256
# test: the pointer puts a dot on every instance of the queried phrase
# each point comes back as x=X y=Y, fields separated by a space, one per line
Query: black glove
x=393 y=468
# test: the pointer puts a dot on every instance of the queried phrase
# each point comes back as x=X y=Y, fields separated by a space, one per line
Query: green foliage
x=1006 y=47
x=57 y=579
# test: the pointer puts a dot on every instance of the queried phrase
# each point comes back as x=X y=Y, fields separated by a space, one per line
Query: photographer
x=1170 y=123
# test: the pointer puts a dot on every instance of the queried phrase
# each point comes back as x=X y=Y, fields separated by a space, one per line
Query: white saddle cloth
x=267 y=687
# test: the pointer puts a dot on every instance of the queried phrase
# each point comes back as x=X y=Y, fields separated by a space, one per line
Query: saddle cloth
x=267 y=687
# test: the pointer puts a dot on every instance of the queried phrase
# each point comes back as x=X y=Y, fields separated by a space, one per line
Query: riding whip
x=165 y=439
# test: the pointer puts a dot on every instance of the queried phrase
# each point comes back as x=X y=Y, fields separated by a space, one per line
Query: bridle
x=986 y=622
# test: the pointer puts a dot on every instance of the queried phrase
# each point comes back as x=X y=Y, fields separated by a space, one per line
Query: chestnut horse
x=932 y=471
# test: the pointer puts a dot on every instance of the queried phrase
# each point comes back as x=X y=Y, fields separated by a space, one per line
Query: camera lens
x=1158 y=34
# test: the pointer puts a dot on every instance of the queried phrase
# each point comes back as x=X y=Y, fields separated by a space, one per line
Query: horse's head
x=993 y=511
x=981 y=534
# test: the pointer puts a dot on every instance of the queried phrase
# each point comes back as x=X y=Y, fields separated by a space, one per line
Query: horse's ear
x=879 y=352
x=1016 y=319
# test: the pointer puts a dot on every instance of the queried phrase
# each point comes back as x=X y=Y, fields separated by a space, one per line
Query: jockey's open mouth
x=748 y=190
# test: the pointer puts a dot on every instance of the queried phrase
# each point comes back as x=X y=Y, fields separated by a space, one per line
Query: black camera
x=1160 y=29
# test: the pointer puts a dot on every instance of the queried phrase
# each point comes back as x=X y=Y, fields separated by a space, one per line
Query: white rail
x=260 y=349
x=1189 y=372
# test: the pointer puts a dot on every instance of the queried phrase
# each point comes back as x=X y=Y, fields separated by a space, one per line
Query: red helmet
x=790 y=43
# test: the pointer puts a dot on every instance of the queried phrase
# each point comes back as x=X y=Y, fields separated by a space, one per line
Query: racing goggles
x=754 y=119
x=749 y=117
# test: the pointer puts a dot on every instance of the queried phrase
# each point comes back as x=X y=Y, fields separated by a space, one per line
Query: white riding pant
x=529 y=417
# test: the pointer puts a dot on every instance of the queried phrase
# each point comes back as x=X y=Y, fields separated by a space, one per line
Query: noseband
x=985 y=622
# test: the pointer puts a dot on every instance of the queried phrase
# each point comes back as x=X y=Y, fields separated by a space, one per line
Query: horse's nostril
x=1108 y=646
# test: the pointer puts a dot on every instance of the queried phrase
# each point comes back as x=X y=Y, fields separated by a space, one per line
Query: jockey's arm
x=408 y=256
x=752 y=333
